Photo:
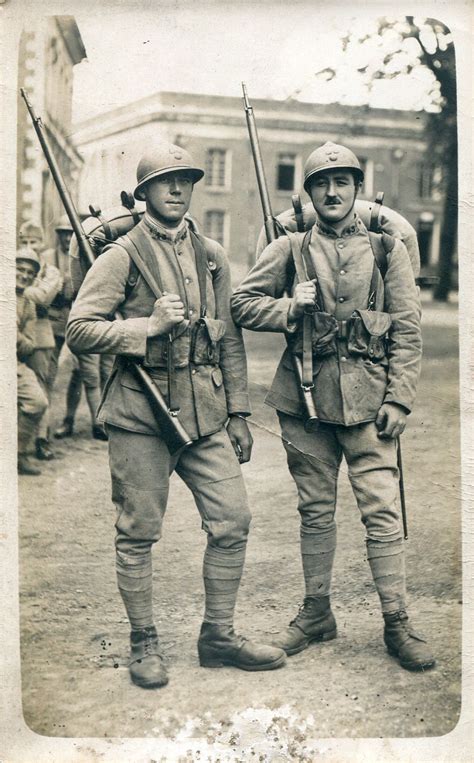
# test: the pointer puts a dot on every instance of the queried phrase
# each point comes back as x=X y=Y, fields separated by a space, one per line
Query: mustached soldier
x=209 y=381
x=364 y=388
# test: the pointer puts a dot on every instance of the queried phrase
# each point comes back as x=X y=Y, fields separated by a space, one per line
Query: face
x=333 y=194
x=64 y=237
x=25 y=275
x=168 y=197
x=32 y=243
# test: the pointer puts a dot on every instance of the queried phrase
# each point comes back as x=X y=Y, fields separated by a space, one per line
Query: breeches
x=32 y=400
x=141 y=466
x=314 y=460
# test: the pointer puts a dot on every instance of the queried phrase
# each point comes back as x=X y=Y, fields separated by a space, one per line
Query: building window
x=429 y=181
x=216 y=168
x=214 y=225
x=286 y=172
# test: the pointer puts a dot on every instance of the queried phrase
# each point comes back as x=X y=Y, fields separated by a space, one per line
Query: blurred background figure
x=41 y=293
x=31 y=398
x=92 y=371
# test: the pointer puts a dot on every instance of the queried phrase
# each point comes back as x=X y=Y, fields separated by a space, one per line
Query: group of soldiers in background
x=44 y=298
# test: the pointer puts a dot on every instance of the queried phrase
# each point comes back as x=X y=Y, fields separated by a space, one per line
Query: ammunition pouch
x=205 y=341
x=323 y=336
x=367 y=334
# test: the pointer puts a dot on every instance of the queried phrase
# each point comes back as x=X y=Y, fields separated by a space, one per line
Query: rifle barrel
x=66 y=199
x=259 y=169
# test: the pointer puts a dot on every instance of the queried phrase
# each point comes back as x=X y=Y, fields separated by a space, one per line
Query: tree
x=419 y=48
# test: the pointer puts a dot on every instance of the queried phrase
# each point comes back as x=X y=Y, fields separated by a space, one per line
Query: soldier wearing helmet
x=41 y=292
x=362 y=331
x=31 y=399
x=183 y=333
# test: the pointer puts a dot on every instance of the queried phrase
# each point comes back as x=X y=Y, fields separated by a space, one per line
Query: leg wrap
x=387 y=563
x=134 y=578
x=222 y=571
x=317 y=554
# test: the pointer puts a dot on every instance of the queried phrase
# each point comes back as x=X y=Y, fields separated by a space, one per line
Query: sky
x=275 y=48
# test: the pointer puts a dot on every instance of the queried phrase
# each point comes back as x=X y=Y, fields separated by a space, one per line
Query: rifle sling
x=302 y=276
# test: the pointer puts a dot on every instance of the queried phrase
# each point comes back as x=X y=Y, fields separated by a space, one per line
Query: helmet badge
x=175 y=152
x=332 y=155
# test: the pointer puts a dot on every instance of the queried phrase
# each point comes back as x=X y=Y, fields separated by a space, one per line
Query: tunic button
x=341 y=299
x=191 y=311
x=193 y=370
x=340 y=245
x=342 y=272
x=343 y=357
x=187 y=280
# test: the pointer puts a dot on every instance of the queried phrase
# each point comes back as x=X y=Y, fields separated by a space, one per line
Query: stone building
x=226 y=204
x=48 y=51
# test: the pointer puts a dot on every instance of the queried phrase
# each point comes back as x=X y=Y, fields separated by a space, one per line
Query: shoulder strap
x=133 y=252
x=201 y=267
x=381 y=244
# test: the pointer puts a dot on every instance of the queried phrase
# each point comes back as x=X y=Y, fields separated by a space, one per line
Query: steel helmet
x=163 y=158
x=63 y=224
x=25 y=253
x=328 y=157
x=30 y=229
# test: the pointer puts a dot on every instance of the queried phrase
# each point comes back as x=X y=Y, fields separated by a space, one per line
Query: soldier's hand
x=391 y=421
x=168 y=311
x=240 y=437
x=304 y=296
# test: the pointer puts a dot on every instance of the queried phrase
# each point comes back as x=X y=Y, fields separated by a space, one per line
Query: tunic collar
x=159 y=231
x=354 y=227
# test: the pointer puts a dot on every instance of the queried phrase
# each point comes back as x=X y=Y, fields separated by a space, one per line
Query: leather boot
x=314 y=622
x=403 y=642
x=146 y=663
x=25 y=466
x=99 y=433
x=218 y=646
x=43 y=451
x=66 y=430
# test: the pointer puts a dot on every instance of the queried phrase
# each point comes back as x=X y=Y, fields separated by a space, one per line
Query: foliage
x=421 y=51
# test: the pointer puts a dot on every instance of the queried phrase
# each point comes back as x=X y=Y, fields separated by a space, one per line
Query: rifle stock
x=273 y=231
x=173 y=431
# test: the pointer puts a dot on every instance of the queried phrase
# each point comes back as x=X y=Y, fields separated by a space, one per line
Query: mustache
x=331 y=201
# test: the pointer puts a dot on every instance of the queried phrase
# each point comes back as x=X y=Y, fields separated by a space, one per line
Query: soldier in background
x=31 y=399
x=44 y=289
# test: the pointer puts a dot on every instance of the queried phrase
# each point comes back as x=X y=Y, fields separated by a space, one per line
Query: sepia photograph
x=236 y=289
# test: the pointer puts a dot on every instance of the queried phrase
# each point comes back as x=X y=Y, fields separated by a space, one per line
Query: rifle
x=174 y=434
x=273 y=230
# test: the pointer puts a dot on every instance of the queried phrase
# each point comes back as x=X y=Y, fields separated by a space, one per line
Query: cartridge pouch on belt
x=206 y=335
x=367 y=333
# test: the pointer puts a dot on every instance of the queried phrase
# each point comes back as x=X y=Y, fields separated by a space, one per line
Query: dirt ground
x=74 y=633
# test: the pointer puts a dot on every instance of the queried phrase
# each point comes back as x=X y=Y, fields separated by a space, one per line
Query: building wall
x=390 y=142
x=47 y=54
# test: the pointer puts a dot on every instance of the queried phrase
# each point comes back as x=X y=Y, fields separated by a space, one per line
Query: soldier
x=364 y=389
x=86 y=371
x=44 y=289
x=207 y=376
x=32 y=401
